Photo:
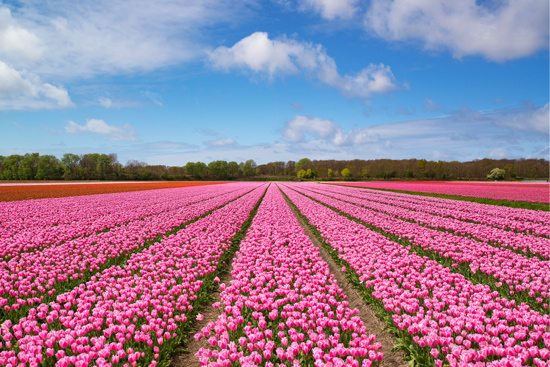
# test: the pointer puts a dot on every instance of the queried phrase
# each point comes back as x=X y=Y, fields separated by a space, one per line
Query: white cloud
x=530 y=119
x=331 y=9
x=105 y=102
x=301 y=127
x=500 y=32
x=87 y=38
x=64 y=40
x=16 y=42
x=19 y=90
x=262 y=55
x=464 y=135
x=100 y=127
x=222 y=142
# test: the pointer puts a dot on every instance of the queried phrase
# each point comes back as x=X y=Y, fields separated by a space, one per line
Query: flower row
x=519 y=242
x=36 y=224
x=529 y=192
x=283 y=306
x=127 y=314
x=515 y=219
x=27 y=278
x=445 y=316
x=521 y=274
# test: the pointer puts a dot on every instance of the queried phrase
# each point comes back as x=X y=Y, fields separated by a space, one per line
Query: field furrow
x=32 y=277
x=524 y=221
x=440 y=316
x=531 y=246
x=134 y=313
x=63 y=222
x=524 y=279
x=283 y=307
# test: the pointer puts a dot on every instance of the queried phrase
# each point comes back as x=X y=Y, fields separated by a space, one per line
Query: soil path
x=392 y=358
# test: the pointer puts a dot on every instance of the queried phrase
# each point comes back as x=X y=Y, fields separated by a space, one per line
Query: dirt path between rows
x=374 y=325
x=186 y=356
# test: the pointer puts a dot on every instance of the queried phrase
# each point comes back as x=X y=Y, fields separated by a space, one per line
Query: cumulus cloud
x=86 y=38
x=19 y=90
x=498 y=31
x=301 y=128
x=100 y=127
x=331 y=9
x=17 y=42
x=64 y=40
x=271 y=57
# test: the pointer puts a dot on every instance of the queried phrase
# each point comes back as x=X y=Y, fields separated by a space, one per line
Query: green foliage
x=306 y=174
x=303 y=163
x=96 y=166
x=496 y=174
x=248 y=168
x=196 y=170
x=346 y=173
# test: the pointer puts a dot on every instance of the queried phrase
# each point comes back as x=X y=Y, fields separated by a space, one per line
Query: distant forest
x=95 y=166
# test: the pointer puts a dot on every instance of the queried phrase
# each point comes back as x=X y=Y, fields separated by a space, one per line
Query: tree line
x=96 y=166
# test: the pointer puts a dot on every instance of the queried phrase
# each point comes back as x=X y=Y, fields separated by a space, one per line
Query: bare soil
x=186 y=356
x=392 y=358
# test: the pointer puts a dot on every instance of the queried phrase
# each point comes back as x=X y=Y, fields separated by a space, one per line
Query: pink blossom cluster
x=518 y=191
x=126 y=314
x=459 y=323
x=520 y=242
x=520 y=273
x=35 y=224
x=283 y=306
x=28 y=277
x=514 y=219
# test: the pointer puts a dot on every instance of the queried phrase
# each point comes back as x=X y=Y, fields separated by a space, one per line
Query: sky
x=168 y=81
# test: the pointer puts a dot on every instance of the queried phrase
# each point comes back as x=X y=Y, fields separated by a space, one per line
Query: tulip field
x=536 y=192
x=283 y=272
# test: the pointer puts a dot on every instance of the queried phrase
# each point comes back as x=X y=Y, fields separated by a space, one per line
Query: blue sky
x=168 y=82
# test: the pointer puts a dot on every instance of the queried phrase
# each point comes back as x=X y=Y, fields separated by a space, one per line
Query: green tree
x=218 y=170
x=233 y=170
x=329 y=172
x=248 y=168
x=346 y=173
x=496 y=174
x=303 y=163
x=71 y=166
x=196 y=170
x=11 y=167
x=49 y=168
x=304 y=174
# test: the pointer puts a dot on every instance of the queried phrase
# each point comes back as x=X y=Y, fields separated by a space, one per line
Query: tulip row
x=444 y=317
x=283 y=306
x=513 y=219
x=497 y=266
x=52 y=221
x=535 y=192
x=531 y=246
x=133 y=313
x=32 y=277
